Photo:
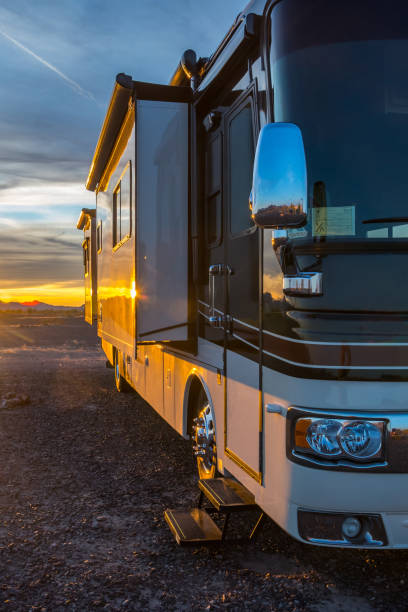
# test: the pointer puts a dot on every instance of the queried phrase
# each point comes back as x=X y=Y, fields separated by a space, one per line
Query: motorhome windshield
x=340 y=71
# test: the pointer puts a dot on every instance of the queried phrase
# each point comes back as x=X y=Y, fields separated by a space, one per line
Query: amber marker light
x=302 y=426
x=133 y=292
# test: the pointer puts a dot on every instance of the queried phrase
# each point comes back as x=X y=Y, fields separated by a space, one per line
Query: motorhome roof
x=115 y=115
x=243 y=25
x=124 y=91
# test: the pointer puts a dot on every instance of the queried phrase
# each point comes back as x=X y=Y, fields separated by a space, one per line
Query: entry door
x=243 y=431
x=231 y=245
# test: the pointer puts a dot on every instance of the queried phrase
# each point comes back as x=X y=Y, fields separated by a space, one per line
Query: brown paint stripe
x=342 y=356
x=246 y=333
x=325 y=355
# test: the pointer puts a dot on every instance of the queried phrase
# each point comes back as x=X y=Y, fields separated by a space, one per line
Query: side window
x=241 y=158
x=99 y=237
x=122 y=208
x=85 y=246
x=213 y=190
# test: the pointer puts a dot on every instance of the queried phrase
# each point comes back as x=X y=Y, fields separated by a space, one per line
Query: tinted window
x=213 y=189
x=241 y=156
x=340 y=73
x=86 y=256
x=99 y=237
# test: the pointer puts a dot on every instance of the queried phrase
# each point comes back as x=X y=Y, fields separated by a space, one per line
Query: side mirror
x=278 y=198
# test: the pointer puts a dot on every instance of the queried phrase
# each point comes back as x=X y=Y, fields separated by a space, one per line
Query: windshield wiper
x=387 y=220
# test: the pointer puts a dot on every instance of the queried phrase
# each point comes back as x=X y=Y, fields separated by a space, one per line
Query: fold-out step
x=226 y=494
x=192 y=527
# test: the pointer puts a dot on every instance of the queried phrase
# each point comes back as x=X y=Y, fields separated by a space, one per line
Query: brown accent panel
x=334 y=355
x=246 y=333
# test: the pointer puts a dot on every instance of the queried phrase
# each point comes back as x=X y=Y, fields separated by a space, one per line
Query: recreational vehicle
x=252 y=239
x=86 y=223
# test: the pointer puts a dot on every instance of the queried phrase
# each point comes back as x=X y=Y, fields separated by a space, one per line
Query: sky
x=58 y=62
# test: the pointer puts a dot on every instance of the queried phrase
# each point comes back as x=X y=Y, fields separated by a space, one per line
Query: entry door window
x=213 y=190
x=241 y=157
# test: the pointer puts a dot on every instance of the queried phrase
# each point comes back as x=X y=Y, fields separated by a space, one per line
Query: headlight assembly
x=334 y=438
x=361 y=439
x=322 y=437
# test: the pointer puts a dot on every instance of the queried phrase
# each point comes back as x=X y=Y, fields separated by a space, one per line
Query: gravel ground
x=85 y=476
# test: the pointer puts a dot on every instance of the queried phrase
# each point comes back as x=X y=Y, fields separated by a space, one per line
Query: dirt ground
x=85 y=474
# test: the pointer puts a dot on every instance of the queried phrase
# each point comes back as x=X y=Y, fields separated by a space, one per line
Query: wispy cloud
x=73 y=84
x=8 y=222
x=42 y=196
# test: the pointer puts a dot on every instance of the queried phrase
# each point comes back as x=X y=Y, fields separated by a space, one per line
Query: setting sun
x=58 y=294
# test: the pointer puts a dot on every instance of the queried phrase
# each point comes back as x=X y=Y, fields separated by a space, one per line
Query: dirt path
x=85 y=476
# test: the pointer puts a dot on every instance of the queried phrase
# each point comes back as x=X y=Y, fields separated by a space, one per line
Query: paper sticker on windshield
x=297 y=233
x=334 y=221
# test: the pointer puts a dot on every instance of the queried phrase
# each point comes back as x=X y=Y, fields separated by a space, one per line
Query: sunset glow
x=58 y=294
x=56 y=80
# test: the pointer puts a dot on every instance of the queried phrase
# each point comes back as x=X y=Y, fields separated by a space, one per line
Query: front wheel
x=203 y=437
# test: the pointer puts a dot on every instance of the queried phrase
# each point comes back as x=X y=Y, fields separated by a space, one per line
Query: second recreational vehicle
x=252 y=240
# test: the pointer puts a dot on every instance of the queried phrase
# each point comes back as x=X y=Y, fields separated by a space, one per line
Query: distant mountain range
x=34 y=305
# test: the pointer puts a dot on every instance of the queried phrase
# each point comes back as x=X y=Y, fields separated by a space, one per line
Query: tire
x=121 y=385
x=203 y=437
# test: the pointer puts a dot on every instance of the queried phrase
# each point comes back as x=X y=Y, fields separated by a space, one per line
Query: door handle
x=216 y=320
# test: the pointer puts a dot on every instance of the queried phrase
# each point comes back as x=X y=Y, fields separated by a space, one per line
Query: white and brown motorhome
x=275 y=334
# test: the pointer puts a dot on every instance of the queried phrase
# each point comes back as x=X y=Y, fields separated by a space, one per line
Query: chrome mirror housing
x=278 y=198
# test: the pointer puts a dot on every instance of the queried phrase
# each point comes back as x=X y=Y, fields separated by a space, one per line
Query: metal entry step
x=191 y=527
x=226 y=494
x=195 y=526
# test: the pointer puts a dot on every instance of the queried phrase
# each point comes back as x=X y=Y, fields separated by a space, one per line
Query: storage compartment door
x=162 y=220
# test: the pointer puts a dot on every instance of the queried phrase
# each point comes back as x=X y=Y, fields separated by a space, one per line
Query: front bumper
x=381 y=492
x=383 y=530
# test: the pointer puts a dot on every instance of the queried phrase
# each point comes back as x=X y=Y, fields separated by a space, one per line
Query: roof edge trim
x=84 y=217
x=118 y=107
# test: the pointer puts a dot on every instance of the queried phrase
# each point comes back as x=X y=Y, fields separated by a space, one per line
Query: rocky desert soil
x=85 y=474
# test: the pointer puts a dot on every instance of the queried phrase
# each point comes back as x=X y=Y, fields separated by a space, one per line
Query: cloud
x=8 y=222
x=73 y=84
x=45 y=196
x=41 y=251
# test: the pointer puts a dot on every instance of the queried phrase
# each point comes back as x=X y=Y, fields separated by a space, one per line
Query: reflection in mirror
x=279 y=189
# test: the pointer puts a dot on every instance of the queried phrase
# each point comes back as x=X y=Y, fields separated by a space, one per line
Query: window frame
x=250 y=94
x=218 y=133
x=86 y=256
x=117 y=190
x=99 y=237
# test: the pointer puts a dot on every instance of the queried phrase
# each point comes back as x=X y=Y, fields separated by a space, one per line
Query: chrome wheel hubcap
x=204 y=446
